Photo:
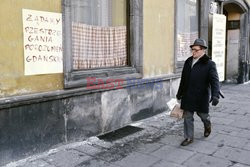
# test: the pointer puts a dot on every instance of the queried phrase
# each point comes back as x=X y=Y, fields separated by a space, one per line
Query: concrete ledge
x=14 y=101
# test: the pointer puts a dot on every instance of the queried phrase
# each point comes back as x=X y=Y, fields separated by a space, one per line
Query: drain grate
x=119 y=133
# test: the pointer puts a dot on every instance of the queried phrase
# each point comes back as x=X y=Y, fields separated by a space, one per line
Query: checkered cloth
x=96 y=47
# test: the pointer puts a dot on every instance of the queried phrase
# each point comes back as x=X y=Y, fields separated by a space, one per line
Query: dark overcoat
x=197 y=84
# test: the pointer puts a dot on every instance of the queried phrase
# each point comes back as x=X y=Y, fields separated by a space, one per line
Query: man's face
x=197 y=51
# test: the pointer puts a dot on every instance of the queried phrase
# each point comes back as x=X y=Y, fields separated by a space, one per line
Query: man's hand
x=178 y=97
x=214 y=100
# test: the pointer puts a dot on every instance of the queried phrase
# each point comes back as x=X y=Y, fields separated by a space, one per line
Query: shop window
x=101 y=40
x=97 y=41
x=186 y=27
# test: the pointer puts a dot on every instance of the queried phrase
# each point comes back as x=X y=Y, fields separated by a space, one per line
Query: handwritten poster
x=42 y=36
x=219 y=43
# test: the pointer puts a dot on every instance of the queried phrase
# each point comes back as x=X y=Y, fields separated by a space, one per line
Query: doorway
x=234 y=45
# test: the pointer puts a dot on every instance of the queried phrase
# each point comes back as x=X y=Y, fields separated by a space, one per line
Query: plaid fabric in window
x=96 y=47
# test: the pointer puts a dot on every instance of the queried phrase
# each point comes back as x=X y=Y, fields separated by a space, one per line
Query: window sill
x=80 y=78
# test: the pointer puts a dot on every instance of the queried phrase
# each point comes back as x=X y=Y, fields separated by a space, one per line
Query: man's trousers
x=189 y=122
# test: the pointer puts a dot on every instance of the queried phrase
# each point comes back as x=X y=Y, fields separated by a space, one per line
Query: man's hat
x=199 y=42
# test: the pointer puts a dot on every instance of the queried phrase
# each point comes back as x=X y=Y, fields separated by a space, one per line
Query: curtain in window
x=95 y=42
x=97 y=47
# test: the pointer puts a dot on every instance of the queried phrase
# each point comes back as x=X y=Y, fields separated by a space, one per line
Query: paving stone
x=161 y=121
x=219 y=114
x=241 y=124
x=163 y=163
x=237 y=117
x=137 y=160
x=173 y=154
x=230 y=141
x=88 y=149
x=243 y=108
x=228 y=107
x=37 y=163
x=67 y=158
x=239 y=165
x=234 y=154
x=95 y=163
x=235 y=109
x=225 y=129
x=172 y=140
x=247 y=147
x=244 y=133
x=202 y=147
x=221 y=121
x=149 y=147
x=202 y=160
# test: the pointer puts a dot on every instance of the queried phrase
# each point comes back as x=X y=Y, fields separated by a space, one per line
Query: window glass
x=187 y=27
x=99 y=34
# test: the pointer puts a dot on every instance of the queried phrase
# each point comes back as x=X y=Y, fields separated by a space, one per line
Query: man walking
x=199 y=77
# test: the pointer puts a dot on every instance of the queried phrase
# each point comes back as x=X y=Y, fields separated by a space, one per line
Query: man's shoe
x=207 y=131
x=186 y=142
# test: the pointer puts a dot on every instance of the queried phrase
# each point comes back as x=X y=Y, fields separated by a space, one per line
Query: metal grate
x=119 y=133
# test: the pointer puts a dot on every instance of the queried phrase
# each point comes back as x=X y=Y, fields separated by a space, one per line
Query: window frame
x=78 y=78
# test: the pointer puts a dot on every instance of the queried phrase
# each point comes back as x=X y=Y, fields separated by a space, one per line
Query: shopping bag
x=176 y=112
x=175 y=109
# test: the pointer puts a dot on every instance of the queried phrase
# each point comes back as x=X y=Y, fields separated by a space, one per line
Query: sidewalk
x=156 y=141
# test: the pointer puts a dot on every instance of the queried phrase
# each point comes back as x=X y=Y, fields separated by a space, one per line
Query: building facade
x=121 y=63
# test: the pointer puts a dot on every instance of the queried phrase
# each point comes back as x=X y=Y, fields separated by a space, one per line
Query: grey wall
x=232 y=60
